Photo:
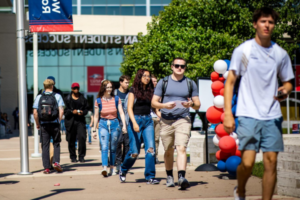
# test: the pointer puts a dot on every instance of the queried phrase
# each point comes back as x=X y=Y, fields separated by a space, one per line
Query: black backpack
x=48 y=108
x=165 y=84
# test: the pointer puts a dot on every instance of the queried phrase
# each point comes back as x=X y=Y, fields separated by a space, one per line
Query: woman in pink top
x=108 y=105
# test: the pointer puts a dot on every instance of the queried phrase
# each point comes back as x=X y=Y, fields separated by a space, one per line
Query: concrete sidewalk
x=83 y=180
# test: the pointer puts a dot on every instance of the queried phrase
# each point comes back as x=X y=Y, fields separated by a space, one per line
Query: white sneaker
x=112 y=172
x=236 y=196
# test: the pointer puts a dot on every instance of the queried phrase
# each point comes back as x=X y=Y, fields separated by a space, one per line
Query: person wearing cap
x=75 y=110
x=55 y=90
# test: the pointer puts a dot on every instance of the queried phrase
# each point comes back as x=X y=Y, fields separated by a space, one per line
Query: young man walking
x=48 y=111
x=156 y=122
x=175 y=120
x=123 y=138
x=75 y=110
x=259 y=62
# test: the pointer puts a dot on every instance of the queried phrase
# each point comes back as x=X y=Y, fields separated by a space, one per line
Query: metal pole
x=36 y=153
x=288 y=113
x=22 y=88
x=148 y=8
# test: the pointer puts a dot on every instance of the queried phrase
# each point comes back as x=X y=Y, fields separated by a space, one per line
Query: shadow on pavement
x=8 y=182
x=81 y=165
x=5 y=174
x=58 y=191
x=225 y=177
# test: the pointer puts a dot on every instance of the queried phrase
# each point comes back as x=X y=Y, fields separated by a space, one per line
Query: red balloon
x=222 y=91
x=227 y=144
x=237 y=152
x=213 y=115
x=222 y=79
x=220 y=131
x=217 y=86
x=214 y=76
x=222 y=117
x=220 y=155
x=216 y=93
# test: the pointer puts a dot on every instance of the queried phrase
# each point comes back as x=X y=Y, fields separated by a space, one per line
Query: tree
x=203 y=31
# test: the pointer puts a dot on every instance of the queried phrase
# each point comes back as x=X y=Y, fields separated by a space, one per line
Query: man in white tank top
x=259 y=62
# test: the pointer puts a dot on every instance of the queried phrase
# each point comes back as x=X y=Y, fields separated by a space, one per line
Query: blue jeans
x=88 y=128
x=109 y=134
x=147 y=131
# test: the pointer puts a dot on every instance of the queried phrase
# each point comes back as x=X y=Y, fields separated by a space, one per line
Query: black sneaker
x=153 y=181
x=122 y=176
x=183 y=183
x=81 y=160
x=73 y=160
x=157 y=161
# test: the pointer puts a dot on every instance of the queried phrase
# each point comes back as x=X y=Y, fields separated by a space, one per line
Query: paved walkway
x=83 y=180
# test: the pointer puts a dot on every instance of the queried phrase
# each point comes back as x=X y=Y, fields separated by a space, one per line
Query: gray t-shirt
x=176 y=90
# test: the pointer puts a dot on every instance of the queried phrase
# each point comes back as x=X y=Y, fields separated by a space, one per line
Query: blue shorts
x=255 y=134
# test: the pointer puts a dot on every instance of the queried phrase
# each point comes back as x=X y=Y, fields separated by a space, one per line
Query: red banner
x=297 y=77
x=95 y=74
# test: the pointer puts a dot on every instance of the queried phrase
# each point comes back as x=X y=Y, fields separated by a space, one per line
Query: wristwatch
x=78 y=111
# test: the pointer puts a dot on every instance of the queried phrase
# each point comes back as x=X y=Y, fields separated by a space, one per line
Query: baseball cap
x=51 y=77
x=75 y=85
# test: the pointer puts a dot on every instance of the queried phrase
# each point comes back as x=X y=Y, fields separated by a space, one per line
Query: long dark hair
x=103 y=89
x=138 y=89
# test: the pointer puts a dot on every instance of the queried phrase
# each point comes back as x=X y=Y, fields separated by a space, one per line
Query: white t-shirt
x=259 y=83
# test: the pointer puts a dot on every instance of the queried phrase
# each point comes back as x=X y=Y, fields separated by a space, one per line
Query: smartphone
x=280 y=95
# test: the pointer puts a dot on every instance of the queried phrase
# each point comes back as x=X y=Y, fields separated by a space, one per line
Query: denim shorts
x=255 y=134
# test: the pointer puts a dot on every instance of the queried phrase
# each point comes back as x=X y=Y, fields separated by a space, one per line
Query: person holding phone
x=108 y=105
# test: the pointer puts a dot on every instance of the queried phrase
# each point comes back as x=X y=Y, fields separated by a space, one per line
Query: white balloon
x=237 y=141
x=233 y=135
x=220 y=66
x=219 y=101
x=216 y=140
x=225 y=75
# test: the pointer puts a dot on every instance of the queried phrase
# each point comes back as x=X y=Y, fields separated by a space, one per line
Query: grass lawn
x=258 y=169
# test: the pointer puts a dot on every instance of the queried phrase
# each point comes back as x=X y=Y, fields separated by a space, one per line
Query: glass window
x=84 y=2
x=113 y=10
x=140 y=1
x=114 y=56
x=99 y=10
x=86 y=10
x=113 y=1
x=128 y=1
x=29 y=77
x=140 y=10
x=44 y=72
x=154 y=10
x=127 y=10
x=99 y=1
x=29 y=58
x=74 y=1
x=155 y=1
x=77 y=56
x=166 y=1
x=78 y=76
x=74 y=10
x=48 y=57
x=64 y=57
x=95 y=57
x=64 y=82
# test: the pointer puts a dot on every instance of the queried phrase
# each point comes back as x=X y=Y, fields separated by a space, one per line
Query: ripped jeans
x=147 y=131
x=109 y=134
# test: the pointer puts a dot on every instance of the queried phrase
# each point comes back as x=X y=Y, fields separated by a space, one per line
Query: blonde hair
x=48 y=83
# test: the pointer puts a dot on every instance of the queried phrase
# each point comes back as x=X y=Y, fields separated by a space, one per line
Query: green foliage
x=258 y=169
x=203 y=31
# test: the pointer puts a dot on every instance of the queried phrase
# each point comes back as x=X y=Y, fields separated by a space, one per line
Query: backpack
x=165 y=84
x=126 y=108
x=99 y=102
x=48 y=108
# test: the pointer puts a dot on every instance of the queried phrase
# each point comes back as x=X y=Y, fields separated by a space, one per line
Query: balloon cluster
x=228 y=155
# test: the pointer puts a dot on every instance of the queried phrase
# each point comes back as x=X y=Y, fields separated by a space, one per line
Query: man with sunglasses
x=75 y=110
x=174 y=95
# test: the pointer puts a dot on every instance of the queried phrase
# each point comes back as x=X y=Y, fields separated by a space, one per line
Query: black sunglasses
x=181 y=66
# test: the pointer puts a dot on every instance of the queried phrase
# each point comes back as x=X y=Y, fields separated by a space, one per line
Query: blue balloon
x=222 y=166
x=233 y=110
x=228 y=63
x=236 y=124
x=232 y=163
